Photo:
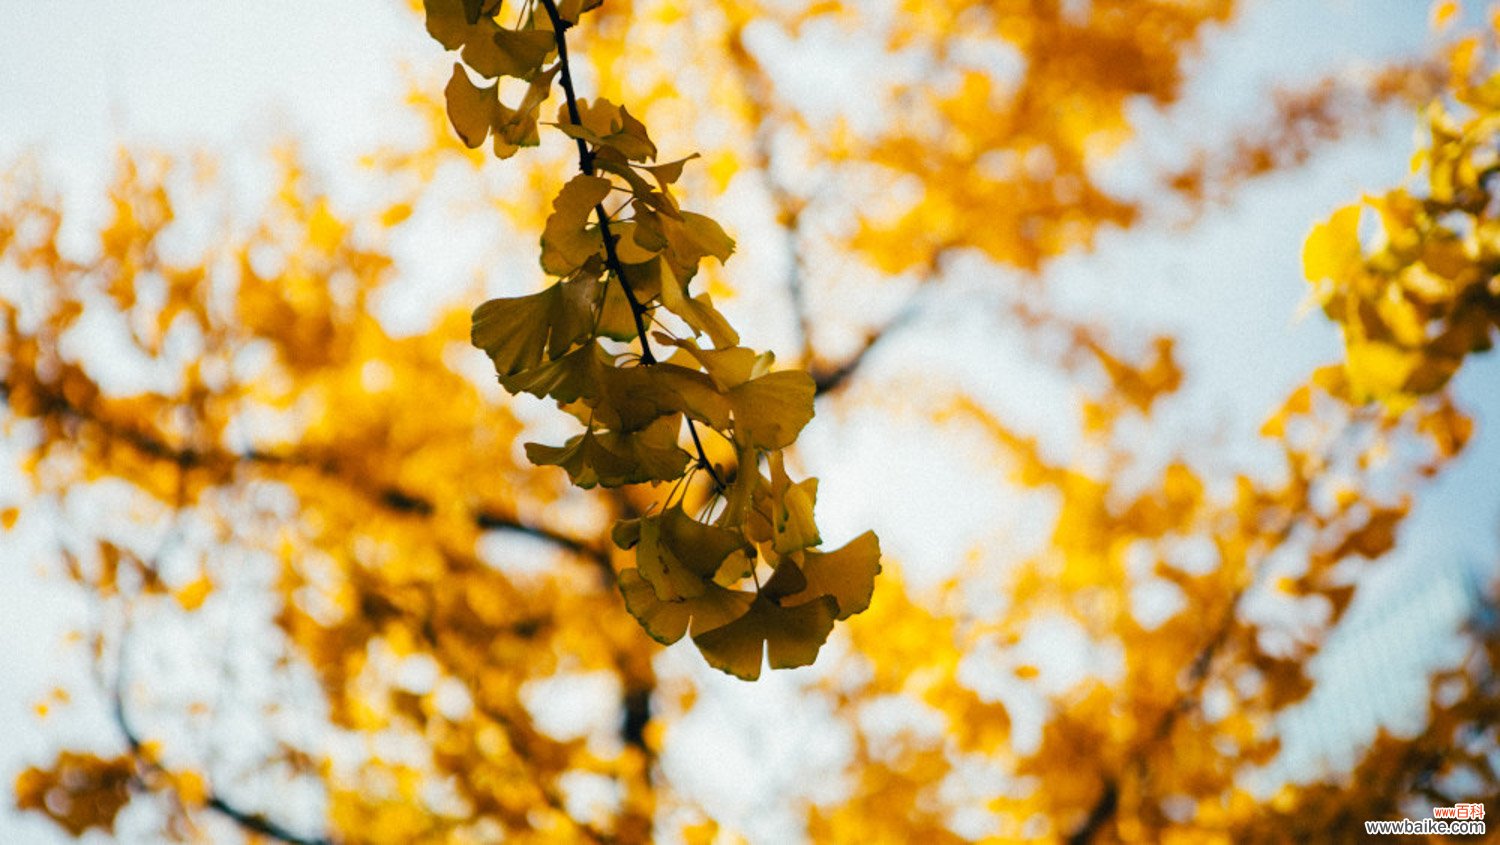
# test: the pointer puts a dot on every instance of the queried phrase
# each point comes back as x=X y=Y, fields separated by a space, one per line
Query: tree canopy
x=346 y=581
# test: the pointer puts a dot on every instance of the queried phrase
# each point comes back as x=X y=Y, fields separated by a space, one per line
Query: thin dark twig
x=611 y=257
x=252 y=822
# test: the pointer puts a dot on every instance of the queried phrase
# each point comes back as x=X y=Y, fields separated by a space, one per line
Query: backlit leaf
x=666 y=621
x=790 y=636
x=847 y=574
x=567 y=241
x=770 y=411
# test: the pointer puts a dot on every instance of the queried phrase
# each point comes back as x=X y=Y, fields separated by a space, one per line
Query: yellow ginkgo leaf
x=697 y=311
x=576 y=375
x=791 y=510
x=472 y=110
x=612 y=459
x=518 y=128
x=790 y=636
x=770 y=411
x=1332 y=248
x=451 y=21
x=567 y=242
x=507 y=52
x=847 y=574
x=667 y=621
x=604 y=124
x=728 y=368
x=516 y=331
x=679 y=555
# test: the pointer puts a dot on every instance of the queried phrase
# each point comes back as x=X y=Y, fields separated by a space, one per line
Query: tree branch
x=611 y=257
x=223 y=461
x=252 y=822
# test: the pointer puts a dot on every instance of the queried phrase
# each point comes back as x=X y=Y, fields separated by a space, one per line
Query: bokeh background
x=233 y=88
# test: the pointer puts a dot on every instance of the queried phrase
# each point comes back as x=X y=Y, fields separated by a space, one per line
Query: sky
x=78 y=78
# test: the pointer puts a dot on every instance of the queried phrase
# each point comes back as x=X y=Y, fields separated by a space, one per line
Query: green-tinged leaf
x=576 y=375
x=666 y=622
x=697 y=311
x=770 y=411
x=567 y=242
x=791 y=637
x=507 y=52
x=472 y=110
x=847 y=574
x=516 y=331
x=736 y=567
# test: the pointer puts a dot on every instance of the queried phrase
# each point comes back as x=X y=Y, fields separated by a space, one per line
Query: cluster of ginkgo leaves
x=1423 y=293
x=618 y=269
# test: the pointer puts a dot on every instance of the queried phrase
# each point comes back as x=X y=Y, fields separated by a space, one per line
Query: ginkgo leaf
x=741 y=495
x=770 y=411
x=576 y=375
x=606 y=125
x=847 y=574
x=632 y=397
x=518 y=128
x=706 y=236
x=450 y=21
x=790 y=636
x=516 y=331
x=698 y=311
x=793 y=517
x=695 y=394
x=612 y=459
x=472 y=110
x=667 y=621
x=679 y=555
x=508 y=52
x=728 y=368
x=673 y=578
x=1332 y=247
x=791 y=509
x=567 y=241
x=669 y=172
x=625 y=533
x=627 y=247
x=786 y=580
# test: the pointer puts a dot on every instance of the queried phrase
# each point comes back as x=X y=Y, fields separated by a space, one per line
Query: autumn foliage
x=399 y=568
